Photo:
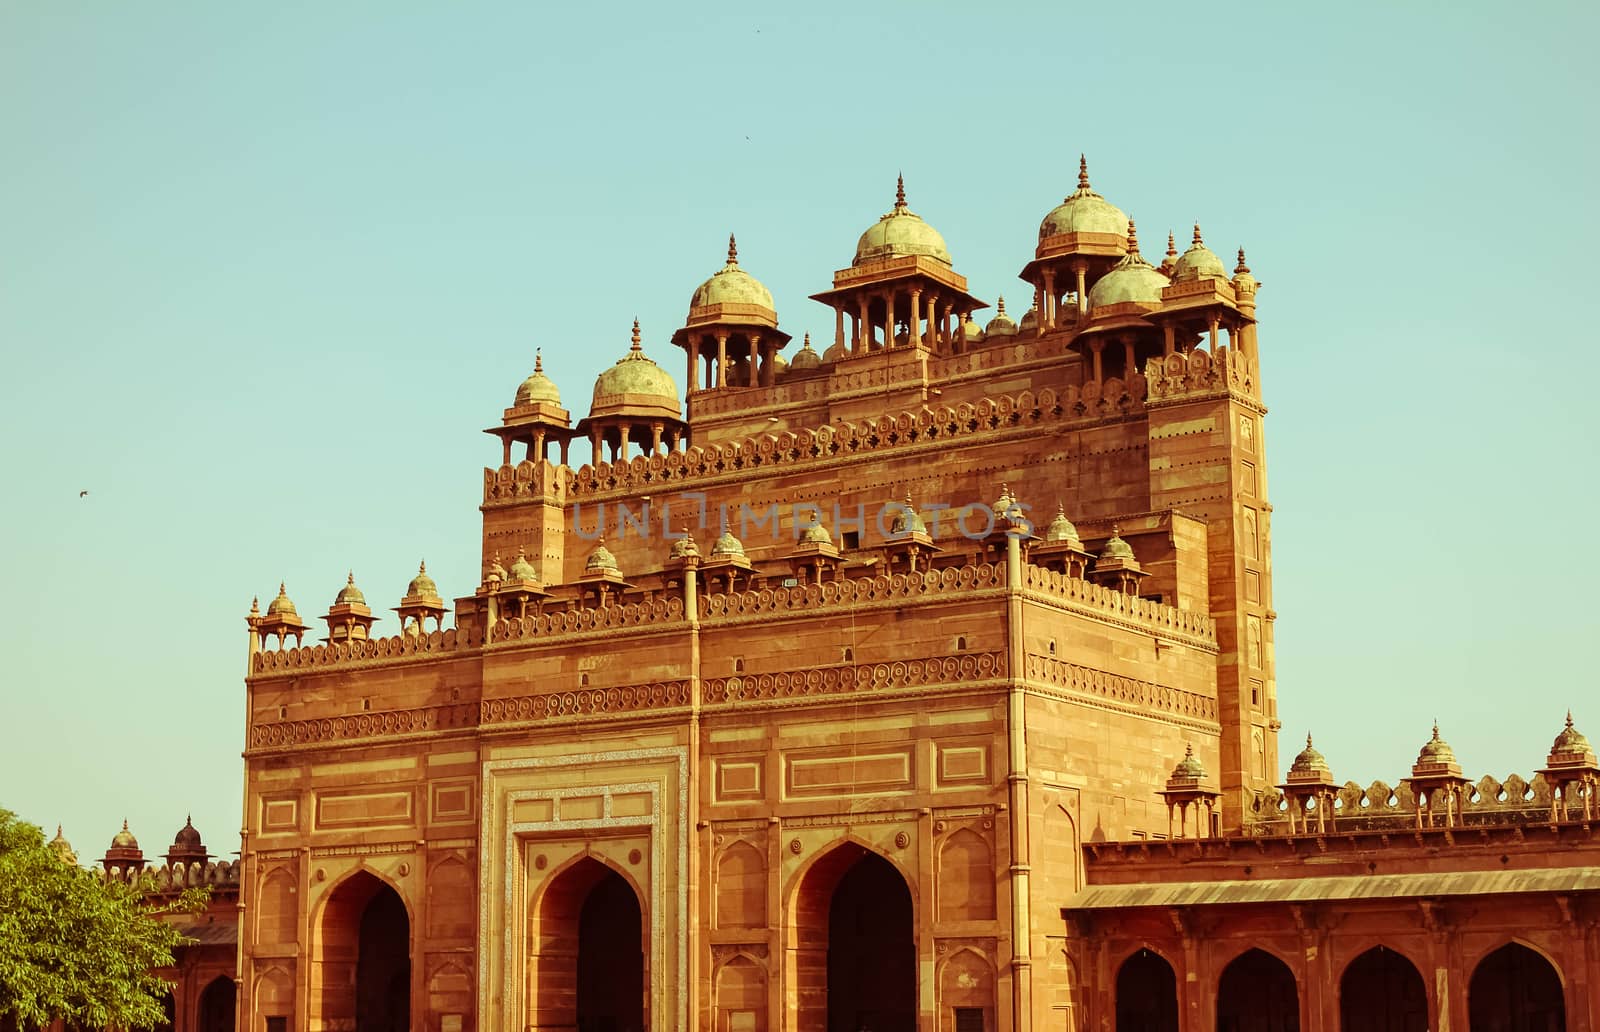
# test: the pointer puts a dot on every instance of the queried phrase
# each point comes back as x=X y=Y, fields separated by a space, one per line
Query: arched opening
x=1147 y=994
x=1258 y=994
x=853 y=960
x=586 y=953
x=361 y=959
x=1515 y=989
x=217 y=1002
x=1382 y=991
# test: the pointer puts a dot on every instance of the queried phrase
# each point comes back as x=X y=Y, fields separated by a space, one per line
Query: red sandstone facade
x=837 y=727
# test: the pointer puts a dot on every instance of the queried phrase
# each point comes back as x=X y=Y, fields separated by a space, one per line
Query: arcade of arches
x=1512 y=989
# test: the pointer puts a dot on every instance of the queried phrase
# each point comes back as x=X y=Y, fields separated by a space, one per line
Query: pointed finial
x=538 y=360
x=124 y=824
x=1172 y=247
x=1436 y=729
x=350 y=578
x=255 y=603
x=1197 y=240
x=1000 y=305
x=58 y=831
x=733 y=250
x=900 y=191
x=1569 y=720
x=1241 y=267
x=1083 y=172
x=807 y=345
x=1133 y=238
x=1308 y=739
x=188 y=820
x=1116 y=530
x=422 y=567
x=636 y=346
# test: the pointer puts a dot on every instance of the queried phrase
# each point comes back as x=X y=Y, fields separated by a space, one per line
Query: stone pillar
x=914 y=329
x=1081 y=270
x=722 y=360
x=864 y=338
x=838 y=326
x=1047 y=315
x=755 y=344
x=888 y=319
x=694 y=368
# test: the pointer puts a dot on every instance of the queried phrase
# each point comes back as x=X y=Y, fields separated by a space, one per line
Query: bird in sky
x=83 y=494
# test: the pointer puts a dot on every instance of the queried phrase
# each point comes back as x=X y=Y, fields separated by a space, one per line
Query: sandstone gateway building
x=922 y=681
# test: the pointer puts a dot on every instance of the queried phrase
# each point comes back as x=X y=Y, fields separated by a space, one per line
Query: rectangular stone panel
x=583 y=808
x=963 y=764
x=450 y=801
x=737 y=778
x=840 y=773
x=363 y=809
x=527 y=811
x=279 y=815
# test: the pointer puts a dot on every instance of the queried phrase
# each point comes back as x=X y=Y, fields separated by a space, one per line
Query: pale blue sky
x=265 y=274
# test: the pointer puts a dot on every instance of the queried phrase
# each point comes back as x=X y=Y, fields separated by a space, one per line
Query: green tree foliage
x=76 y=947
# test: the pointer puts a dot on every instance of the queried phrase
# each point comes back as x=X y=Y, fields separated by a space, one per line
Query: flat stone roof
x=1342 y=887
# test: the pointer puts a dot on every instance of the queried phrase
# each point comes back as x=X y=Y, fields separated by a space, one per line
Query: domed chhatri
x=971 y=332
x=727 y=546
x=522 y=571
x=815 y=534
x=422 y=585
x=1198 y=262
x=1030 y=320
x=1002 y=325
x=1243 y=282
x=350 y=594
x=1083 y=211
x=601 y=559
x=907 y=520
x=124 y=839
x=187 y=846
x=900 y=232
x=1116 y=548
x=1131 y=279
x=732 y=286
x=63 y=849
x=281 y=606
x=635 y=381
x=1570 y=741
x=1310 y=761
x=1436 y=751
x=806 y=359
x=685 y=546
x=1061 y=530
x=1189 y=768
x=538 y=389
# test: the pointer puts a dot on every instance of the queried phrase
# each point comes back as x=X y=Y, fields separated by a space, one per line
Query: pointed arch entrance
x=1515 y=989
x=217 y=1002
x=361 y=958
x=1258 y=993
x=852 y=955
x=1382 y=991
x=586 y=953
x=1147 y=994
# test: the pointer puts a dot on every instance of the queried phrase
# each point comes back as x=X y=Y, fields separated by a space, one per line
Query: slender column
x=949 y=329
x=1213 y=336
x=864 y=337
x=538 y=445
x=933 y=322
x=564 y=446
x=594 y=443
x=722 y=360
x=755 y=344
x=838 y=326
x=1097 y=346
x=1127 y=357
x=622 y=441
x=1017 y=795
x=505 y=455
x=888 y=319
x=694 y=367
x=1047 y=316
x=1081 y=269
x=655 y=438
x=1168 y=338
x=914 y=330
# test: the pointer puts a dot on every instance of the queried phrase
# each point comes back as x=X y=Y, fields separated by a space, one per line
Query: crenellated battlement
x=1199 y=374
x=1099 y=601
x=399 y=646
x=797 y=450
x=1488 y=801
x=175 y=877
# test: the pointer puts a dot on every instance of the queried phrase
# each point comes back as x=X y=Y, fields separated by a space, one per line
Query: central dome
x=635 y=374
x=731 y=285
x=901 y=232
x=1084 y=211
